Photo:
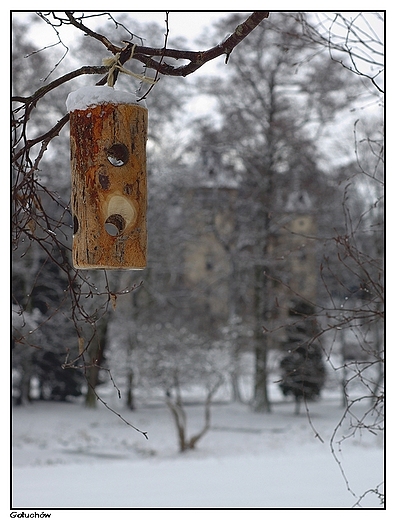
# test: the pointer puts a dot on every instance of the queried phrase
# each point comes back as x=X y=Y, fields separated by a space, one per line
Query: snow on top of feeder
x=98 y=95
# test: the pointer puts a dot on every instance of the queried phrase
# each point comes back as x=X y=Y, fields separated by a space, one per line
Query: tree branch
x=107 y=43
x=196 y=58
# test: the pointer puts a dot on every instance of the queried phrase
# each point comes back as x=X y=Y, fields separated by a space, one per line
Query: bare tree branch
x=196 y=58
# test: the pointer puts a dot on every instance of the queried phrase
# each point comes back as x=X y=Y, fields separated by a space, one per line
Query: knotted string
x=114 y=63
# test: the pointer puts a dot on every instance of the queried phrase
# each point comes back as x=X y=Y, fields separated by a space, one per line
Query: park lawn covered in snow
x=66 y=456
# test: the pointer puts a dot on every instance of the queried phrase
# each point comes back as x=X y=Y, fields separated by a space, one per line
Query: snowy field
x=65 y=456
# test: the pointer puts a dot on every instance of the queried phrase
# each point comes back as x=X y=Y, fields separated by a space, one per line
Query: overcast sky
x=189 y=24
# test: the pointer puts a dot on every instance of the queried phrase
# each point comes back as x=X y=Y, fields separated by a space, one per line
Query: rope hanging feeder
x=108 y=134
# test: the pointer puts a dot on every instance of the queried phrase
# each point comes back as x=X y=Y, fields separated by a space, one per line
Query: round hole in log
x=115 y=225
x=117 y=154
x=75 y=224
x=120 y=205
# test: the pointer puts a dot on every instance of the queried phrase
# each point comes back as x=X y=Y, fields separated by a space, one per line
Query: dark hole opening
x=117 y=154
x=75 y=224
x=115 y=225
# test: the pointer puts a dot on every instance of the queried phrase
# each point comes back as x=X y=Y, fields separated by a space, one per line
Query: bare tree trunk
x=130 y=375
x=96 y=358
x=24 y=387
x=236 y=392
x=297 y=405
x=180 y=417
x=130 y=396
x=261 y=398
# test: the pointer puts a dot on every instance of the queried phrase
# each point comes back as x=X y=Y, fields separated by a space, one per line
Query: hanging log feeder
x=108 y=134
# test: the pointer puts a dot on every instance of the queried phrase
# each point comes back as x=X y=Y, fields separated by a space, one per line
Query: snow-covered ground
x=65 y=456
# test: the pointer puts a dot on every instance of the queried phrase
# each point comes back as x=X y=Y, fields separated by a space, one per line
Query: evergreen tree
x=302 y=369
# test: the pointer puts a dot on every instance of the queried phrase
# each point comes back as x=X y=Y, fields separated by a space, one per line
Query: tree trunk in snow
x=96 y=359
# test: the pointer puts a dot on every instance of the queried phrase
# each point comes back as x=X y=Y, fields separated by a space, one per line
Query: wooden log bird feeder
x=108 y=134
